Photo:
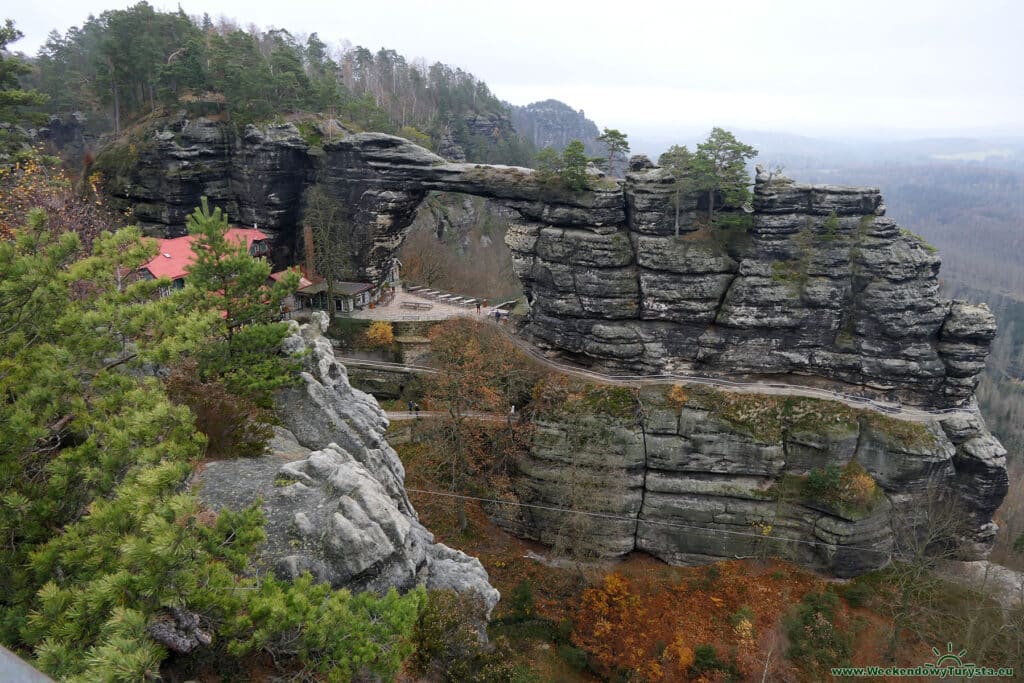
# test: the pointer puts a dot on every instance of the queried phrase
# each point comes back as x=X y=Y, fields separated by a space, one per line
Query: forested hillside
x=126 y=64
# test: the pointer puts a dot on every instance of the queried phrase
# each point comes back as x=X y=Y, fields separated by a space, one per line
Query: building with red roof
x=175 y=255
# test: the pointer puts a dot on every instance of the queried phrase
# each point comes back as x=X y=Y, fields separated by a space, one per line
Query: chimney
x=307 y=242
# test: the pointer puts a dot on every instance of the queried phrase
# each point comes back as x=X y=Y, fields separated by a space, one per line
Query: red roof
x=303 y=282
x=175 y=255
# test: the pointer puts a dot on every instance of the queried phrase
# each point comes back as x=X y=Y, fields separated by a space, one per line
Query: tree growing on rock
x=719 y=166
x=229 y=280
x=679 y=162
x=568 y=169
x=110 y=562
x=574 y=166
x=616 y=146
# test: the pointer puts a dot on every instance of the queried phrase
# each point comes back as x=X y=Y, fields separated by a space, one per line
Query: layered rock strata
x=815 y=283
x=258 y=177
x=716 y=476
x=333 y=493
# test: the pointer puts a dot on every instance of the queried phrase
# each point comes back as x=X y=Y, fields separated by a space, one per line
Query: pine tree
x=679 y=162
x=616 y=145
x=104 y=555
x=229 y=280
x=719 y=166
x=574 y=166
x=12 y=96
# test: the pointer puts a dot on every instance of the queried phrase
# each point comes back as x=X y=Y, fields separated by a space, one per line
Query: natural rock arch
x=820 y=285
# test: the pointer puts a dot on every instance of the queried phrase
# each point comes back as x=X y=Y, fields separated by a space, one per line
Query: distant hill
x=551 y=123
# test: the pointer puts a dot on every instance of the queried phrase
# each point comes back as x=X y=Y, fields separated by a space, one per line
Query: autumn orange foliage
x=677 y=396
x=380 y=333
x=653 y=628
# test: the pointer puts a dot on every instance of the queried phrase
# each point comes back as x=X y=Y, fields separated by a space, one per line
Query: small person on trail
x=410 y=406
x=478 y=308
x=497 y=316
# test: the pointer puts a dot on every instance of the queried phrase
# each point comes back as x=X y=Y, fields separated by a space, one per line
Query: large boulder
x=332 y=490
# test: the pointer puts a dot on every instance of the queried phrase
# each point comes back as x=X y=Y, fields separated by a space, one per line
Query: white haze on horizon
x=876 y=68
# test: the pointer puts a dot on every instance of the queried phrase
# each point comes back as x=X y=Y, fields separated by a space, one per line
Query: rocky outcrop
x=332 y=490
x=384 y=178
x=257 y=177
x=551 y=123
x=701 y=476
x=815 y=284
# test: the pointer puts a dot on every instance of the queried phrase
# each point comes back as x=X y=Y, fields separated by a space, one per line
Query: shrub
x=573 y=656
x=449 y=645
x=822 y=485
x=705 y=659
x=677 y=396
x=851 y=489
x=857 y=593
x=521 y=600
x=816 y=641
x=380 y=333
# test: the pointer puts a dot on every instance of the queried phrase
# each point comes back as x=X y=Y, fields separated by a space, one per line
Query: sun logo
x=948 y=658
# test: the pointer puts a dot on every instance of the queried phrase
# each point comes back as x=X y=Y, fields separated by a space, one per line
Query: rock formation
x=816 y=282
x=715 y=476
x=551 y=123
x=257 y=177
x=333 y=492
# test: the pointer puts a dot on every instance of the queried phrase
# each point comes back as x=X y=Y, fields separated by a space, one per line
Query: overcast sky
x=903 y=67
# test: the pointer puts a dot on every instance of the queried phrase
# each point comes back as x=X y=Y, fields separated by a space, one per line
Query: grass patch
x=594 y=400
x=310 y=134
x=921 y=242
x=909 y=435
x=769 y=418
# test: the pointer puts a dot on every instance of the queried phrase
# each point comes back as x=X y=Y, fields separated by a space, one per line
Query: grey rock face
x=551 y=123
x=701 y=483
x=627 y=276
x=818 y=283
x=333 y=491
x=257 y=177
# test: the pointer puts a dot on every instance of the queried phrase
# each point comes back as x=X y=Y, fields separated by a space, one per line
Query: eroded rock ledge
x=717 y=476
x=333 y=490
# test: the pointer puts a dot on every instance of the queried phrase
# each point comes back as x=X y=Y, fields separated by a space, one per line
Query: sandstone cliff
x=697 y=475
x=333 y=490
x=551 y=123
x=816 y=283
